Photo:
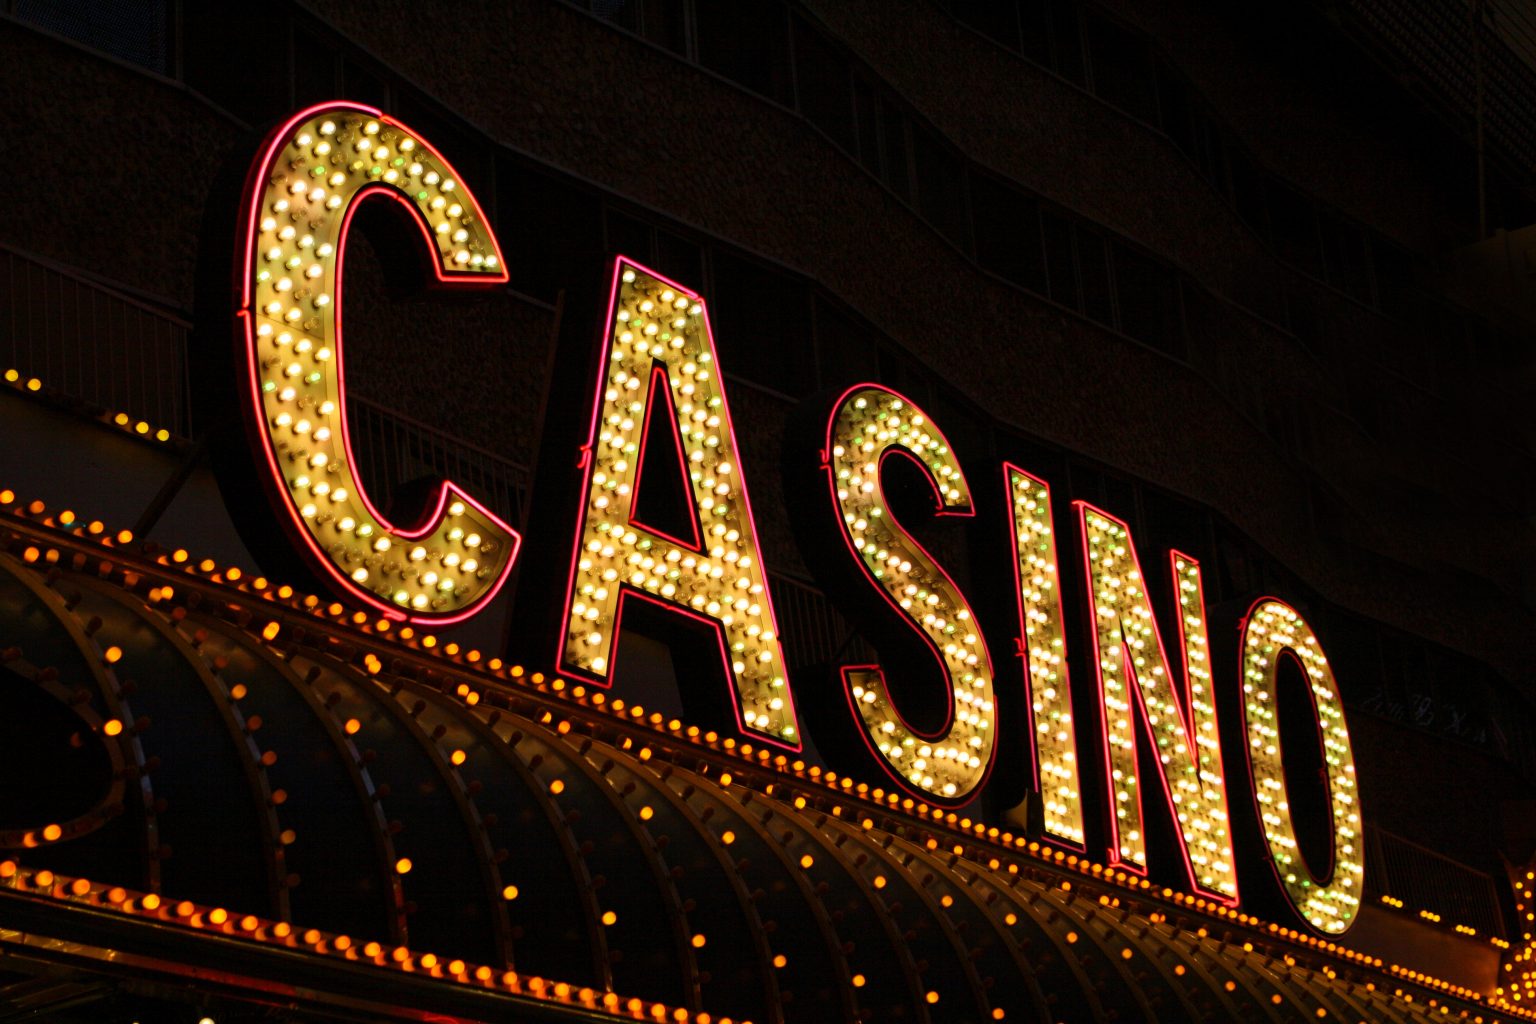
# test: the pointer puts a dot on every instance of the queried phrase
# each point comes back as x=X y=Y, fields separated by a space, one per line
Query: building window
x=137 y=31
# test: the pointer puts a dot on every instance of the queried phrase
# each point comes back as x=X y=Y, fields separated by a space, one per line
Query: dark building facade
x=1248 y=287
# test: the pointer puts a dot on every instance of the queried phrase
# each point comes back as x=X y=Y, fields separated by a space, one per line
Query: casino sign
x=660 y=382
x=320 y=803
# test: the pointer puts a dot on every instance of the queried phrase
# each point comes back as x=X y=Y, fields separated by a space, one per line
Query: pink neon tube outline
x=1009 y=468
x=1333 y=865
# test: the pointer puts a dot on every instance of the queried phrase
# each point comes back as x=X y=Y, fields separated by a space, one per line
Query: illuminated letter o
x=1271 y=631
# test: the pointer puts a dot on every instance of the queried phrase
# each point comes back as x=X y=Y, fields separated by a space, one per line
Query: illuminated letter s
x=314 y=173
x=870 y=423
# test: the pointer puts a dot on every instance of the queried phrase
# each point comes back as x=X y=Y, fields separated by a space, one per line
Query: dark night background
x=1253 y=278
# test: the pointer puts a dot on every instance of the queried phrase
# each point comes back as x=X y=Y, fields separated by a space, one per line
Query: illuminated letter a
x=659 y=378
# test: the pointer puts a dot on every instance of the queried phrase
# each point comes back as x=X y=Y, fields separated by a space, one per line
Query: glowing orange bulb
x=403 y=866
x=112 y=727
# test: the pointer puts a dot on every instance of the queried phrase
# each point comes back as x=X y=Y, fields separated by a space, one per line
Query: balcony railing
x=93 y=342
x=814 y=632
x=391 y=449
x=1426 y=880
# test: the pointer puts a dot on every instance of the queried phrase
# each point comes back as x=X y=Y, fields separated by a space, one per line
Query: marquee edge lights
x=869 y=423
x=1043 y=647
x=314 y=173
x=72 y=531
x=1196 y=798
x=657 y=332
x=1273 y=630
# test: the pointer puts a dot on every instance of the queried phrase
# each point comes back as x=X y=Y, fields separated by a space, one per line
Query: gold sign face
x=317 y=169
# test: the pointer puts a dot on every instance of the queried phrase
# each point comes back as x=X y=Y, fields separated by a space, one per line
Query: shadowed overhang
x=232 y=787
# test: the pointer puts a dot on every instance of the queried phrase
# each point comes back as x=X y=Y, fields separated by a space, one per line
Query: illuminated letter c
x=314 y=173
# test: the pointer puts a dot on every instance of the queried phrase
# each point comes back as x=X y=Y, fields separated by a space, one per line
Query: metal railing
x=391 y=449
x=1426 y=880
x=93 y=342
x=104 y=347
x=812 y=630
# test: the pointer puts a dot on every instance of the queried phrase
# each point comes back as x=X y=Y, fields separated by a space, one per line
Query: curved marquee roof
x=245 y=789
